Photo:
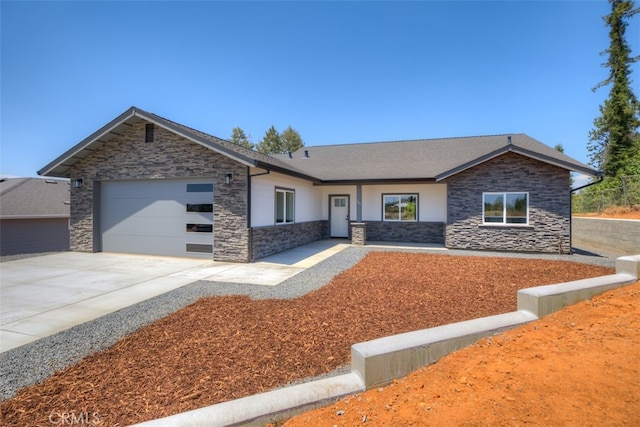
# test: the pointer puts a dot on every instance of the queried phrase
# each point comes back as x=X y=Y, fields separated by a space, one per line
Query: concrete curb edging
x=262 y=408
x=379 y=362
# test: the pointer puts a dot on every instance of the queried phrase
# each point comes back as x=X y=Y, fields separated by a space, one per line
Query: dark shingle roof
x=425 y=159
x=34 y=198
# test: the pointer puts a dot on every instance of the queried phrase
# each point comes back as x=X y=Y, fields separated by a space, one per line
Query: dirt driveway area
x=223 y=348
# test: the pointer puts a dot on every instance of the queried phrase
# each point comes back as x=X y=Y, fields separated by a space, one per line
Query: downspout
x=600 y=176
x=249 y=176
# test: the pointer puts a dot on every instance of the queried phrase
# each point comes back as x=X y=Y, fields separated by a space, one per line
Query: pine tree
x=271 y=143
x=291 y=139
x=239 y=137
x=615 y=140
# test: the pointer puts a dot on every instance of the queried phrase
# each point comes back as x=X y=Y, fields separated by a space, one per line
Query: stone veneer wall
x=272 y=239
x=417 y=232
x=549 y=206
x=168 y=156
x=358 y=233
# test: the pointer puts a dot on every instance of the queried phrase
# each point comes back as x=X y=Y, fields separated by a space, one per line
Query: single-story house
x=34 y=215
x=145 y=184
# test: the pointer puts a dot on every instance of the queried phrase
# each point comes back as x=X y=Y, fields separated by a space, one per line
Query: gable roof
x=420 y=160
x=412 y=160
x=22 y=198
x=61 y=166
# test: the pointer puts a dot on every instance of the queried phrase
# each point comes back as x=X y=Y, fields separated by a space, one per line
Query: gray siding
x=169 y=156
x=549 y=206
x=25 y=236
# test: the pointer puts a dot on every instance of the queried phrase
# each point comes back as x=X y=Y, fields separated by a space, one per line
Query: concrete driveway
x=43 y=295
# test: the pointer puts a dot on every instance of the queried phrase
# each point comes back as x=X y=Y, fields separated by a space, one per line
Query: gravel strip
x=34 y=362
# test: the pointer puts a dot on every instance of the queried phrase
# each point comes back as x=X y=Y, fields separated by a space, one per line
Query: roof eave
x=524 y=152
x=63 y=170
x=247 y=161
x=472 y=163
x=556 y=162
x=376 y=181
x=82 y=145
x=268 y=166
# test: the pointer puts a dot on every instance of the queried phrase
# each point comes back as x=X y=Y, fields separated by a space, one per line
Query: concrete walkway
x=43 y=295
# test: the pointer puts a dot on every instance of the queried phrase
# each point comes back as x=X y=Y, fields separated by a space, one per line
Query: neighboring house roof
x=415 y=160
x=24 y=198
x=419 y=160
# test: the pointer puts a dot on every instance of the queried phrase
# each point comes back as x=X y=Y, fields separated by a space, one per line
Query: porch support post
x=359 y=203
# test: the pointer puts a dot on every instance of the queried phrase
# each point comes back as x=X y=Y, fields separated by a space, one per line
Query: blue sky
x=338 y=72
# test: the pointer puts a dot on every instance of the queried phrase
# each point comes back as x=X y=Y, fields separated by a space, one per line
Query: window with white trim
x=400 y=207
x=285 y=206
x=505 y=208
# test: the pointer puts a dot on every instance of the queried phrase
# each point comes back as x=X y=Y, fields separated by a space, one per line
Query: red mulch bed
x=223 y=348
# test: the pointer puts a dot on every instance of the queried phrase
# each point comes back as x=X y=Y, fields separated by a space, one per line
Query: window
x=199 y=248
x=400 y=207
x=199 y=228
x=505 y=208
x=199 y=188
x=201 y=207
x=284 y=206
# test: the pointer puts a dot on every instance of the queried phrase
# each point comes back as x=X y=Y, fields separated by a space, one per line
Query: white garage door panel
x=150 y=217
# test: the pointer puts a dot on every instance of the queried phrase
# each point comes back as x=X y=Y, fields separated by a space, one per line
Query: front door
x=339 y=216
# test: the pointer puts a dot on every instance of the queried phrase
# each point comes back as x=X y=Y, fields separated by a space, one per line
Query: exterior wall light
x=228 y=178
x=77 y=183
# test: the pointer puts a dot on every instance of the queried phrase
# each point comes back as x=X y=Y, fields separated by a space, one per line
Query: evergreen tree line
x=614 y=142
x=273 y=141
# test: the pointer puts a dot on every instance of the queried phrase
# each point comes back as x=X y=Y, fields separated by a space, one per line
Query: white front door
x=339 y=214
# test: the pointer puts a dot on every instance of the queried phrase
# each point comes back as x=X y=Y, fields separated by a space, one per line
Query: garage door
x=158 y=217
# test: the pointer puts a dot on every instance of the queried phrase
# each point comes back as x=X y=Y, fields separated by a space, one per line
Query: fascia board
x=376 y=181
x=522 y=151
x=247 y=161
x=45 y=171
x=273 y=168
x=444 y=175
x=135 y=112
x=556 y=162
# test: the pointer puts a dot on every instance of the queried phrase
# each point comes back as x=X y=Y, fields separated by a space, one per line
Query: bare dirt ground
x=615 y=213
x=223 y=348
x=577 y=367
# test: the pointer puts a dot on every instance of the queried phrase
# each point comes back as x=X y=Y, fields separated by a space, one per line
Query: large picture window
x=285 y=206
x=505 y=208
x=400 y=207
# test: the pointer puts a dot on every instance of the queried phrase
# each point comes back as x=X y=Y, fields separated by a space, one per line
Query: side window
x=400 y=207
x=505 y=208
x=285 y=206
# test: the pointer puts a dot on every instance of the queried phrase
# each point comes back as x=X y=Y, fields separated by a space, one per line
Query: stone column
x=358 y=233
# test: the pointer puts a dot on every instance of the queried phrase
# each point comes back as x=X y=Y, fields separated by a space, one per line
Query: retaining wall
x=619 y=236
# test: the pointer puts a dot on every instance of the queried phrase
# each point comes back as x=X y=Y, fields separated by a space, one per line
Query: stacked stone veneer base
x=269 y=240
x=415 y=232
